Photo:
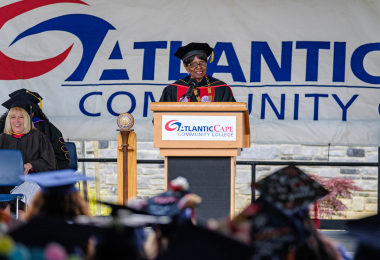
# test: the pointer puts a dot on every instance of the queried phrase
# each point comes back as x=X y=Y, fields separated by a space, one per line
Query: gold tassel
x=40 y=99
x=212 y=57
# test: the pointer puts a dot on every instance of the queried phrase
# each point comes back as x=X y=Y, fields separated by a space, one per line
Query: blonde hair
x=12 y=111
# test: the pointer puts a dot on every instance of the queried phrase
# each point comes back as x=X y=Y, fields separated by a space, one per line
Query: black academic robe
x=209 y=90
x=36 y=150
x=35 y=147
x=55 y=136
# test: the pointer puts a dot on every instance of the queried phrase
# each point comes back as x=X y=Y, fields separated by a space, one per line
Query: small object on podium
x=125 y=121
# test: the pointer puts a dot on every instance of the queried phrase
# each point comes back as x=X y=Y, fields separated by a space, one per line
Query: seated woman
x=207 y=89
x=37 y=152
x=42 y=124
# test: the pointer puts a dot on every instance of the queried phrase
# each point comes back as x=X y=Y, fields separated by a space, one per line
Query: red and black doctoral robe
x=209 y=90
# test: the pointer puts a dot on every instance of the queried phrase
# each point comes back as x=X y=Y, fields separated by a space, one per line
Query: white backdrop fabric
x=308 y=70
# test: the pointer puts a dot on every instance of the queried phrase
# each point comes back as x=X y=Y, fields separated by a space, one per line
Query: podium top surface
x=198 y=106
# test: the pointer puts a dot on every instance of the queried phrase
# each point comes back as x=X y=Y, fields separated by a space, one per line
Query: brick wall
x=150 y=177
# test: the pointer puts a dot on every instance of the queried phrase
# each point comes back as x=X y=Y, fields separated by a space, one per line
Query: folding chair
x=73 y=155
x=11 y=169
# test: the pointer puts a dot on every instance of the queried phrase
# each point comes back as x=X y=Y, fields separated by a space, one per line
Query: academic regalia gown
x=55 y=136
x=62 y=156
x=35 y=147
x=209 y=90
x=36 y=150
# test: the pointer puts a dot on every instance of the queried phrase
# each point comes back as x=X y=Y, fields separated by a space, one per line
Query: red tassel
x=316 y=218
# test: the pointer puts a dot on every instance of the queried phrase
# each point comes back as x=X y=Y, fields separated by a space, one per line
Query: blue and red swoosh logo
x=90 y=30
x=172 y=122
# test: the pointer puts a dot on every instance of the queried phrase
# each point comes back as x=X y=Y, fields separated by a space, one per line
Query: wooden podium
x=200 y=141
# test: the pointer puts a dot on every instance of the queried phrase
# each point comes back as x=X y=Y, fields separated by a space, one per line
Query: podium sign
x=199 y=128
x=200 y=141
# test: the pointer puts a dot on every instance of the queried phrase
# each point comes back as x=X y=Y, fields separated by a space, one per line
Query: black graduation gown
x=221 y=92
x=62 y=156
x=36 y=150
x=35 y=147
x=55 y=136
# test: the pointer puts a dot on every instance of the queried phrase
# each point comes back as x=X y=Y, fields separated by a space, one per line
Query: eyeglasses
x=201 y=64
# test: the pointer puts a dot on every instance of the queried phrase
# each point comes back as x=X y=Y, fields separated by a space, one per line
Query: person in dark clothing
x=208 y=89
x=42 y=123
x=62 y=156
x=51 y=212
x=37 y=152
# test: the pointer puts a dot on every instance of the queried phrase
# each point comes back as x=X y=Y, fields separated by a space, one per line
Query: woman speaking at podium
x=197 y=86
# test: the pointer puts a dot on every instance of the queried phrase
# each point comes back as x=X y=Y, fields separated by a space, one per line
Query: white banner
x=199 y=128
x=308 y=70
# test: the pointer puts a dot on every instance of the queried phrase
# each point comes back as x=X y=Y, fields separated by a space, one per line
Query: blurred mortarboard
x=60 y=182
x=115 y=208
x=272 y=231
x=120 y=243
x=290 y=189
x=30 y=95
x=20 y=101
x=195 y=242
x=165 y=204
x=367 y=232
x=193 y=49
x=123 y=235
x=41 y=230
x=132 y=217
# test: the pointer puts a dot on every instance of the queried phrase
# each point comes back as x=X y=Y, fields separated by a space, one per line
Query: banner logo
x=81 y=25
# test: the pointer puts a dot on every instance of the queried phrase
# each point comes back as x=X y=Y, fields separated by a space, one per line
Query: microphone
x=192 y=84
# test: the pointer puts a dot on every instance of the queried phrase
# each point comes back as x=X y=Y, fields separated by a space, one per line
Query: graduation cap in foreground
x=59 y=183
x=290 y=189
x=172 y=202
x=272 y=231
x=195 y=242
x=116 y=207
x=120 y=242
x=123 y=236
x=367 y=232
x=127 y=216
x=41 y=230
x=193 y=49
x=165 y=204
x=123 y=233
x=30 y=95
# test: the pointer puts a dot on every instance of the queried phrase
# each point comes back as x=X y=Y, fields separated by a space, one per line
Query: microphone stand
x=192 y=84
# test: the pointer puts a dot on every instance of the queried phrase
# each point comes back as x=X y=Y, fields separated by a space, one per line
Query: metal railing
x=325 y=224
